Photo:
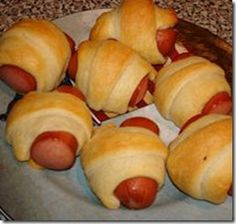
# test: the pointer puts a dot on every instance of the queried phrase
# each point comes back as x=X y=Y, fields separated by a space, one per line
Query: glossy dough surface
x=40 y=48
x=135 y=23
x=200 y=159
x=116 y=154
x=184 y=87
x=108 y=74
x=40 y=112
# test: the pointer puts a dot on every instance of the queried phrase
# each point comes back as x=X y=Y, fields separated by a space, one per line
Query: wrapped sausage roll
x=141 y=25
x=125 y=165
x=34 y=55
x=112 y=76
x=49 y=128
x=200 y=158
x=191 y=86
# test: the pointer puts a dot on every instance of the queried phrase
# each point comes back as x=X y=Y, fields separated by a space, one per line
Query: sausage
x=141 y=122
x=166 y=39
x=220 y=103
x=71 y=42
x=137 y=192
x=72 y=66
x=18 y=79
x=139 y=92
x=54 y=150
x=189 y=121
x=72 y=90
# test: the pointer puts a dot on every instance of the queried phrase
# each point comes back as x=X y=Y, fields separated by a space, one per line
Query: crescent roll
x=135 y=23
x=115 y=154
x=108 y=74
x=37 y=47
x=183 y=88
x=200 y=158
x=37 y=113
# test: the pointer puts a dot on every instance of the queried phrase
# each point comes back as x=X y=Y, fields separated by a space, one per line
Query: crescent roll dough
x=108 y=74
x=40 y=48
x=184 y=87
x=200 y=158
x=135 y=24
x=116 y=154
x=38 y=112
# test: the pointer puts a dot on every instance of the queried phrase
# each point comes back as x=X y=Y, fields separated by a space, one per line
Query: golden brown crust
x=200 y=162
x=116 y=154
x=38 y=112
x=184 y=87
x=40 y=48
x=109 y=73
x=127 y=24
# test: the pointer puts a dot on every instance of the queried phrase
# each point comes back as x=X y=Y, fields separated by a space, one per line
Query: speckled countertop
x=215 y=15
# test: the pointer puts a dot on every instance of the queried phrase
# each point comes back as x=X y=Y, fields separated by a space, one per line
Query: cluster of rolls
x=51 y=125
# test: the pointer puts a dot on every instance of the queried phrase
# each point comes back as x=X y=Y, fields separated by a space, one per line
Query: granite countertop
x=214 y=15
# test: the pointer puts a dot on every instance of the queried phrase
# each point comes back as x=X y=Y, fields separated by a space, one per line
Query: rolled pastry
x=184 y=87
x=136 y=23
x=52 y=115
x=34 y=55
x=115 y=154
x=200 y=158
x=109 y=73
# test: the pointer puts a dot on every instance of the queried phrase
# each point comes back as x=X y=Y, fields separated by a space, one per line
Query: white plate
x=28 y=194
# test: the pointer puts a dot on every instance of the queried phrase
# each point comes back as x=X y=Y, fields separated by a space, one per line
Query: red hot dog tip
x=18 y=79
x=139 y=92
x=141 y=122
x=220 y=103
x=71 y=42
x=137 y=192
x=189 y=121
x=54 y=150
x=72 y=66
x=72 y=90
x=166 y=39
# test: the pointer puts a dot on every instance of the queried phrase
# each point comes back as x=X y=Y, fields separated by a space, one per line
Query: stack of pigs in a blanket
x=113 y=72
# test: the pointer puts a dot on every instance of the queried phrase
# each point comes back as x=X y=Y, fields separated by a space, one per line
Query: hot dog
x=72 y=66
x=141 y=122
x=188 y=122
x=24 y=64
x=177 y=94
x=130 y=160
x=137 y=193
x=53 y=125
x=143 y=26
x=18 y=79
x=112 y=76
x=166 y=39
x=54 y=150
x=200 y=159
x=72 y=90
x=220 y=103
x=139 y=92
x=71 y=42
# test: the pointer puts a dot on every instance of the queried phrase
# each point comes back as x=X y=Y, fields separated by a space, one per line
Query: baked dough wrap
x=182 y=88
x=116 y=154
x=200 y=158
x=38 y=112
x=40 y=48
x=135 y=23
x=108 y=73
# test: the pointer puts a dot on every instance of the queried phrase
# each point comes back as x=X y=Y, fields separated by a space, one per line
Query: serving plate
x=31 y=194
